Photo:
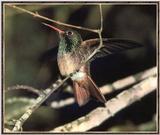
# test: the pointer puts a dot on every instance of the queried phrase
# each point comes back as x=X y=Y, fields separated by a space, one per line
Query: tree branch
x=101 y=114
x=47 y=92
x=24 y=87
x=50 y=20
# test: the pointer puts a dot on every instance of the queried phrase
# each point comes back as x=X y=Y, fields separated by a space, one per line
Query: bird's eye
x=69 y=33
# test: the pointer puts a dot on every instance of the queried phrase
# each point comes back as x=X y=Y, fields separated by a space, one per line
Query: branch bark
x=101 y=114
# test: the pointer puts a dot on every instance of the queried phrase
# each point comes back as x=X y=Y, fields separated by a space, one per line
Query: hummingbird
x=73 y=51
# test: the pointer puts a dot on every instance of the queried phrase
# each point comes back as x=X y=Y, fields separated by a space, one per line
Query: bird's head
x=69 y=39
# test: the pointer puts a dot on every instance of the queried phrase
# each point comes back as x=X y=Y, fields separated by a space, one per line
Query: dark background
x=26 y=39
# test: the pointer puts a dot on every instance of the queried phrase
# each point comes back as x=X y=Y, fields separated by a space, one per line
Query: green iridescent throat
x=69 y=43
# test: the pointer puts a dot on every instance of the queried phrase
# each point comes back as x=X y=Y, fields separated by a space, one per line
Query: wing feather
x=110 y=46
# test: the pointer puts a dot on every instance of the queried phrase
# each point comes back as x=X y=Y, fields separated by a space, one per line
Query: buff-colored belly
x=68 y=64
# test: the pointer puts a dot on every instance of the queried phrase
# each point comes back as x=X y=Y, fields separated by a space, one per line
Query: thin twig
x=100 y=36
x=101 y=17
x=24 y=87
x=101 y=114
x=51 y=20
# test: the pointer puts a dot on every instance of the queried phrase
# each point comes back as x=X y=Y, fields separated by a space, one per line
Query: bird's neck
x=66 y=47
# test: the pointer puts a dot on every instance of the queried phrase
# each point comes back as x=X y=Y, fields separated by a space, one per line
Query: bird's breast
x=68 y=64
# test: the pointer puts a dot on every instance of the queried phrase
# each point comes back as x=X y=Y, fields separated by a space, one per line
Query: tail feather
x=85 y=88
x=81 y=93
x=95 y=92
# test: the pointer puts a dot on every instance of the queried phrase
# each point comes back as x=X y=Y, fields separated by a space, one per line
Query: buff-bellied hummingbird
x=73 y=51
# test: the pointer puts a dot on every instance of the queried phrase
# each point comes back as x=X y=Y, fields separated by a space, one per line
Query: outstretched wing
x=110 y=46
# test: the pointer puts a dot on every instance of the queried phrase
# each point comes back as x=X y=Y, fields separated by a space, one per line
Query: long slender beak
x=54 y=28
